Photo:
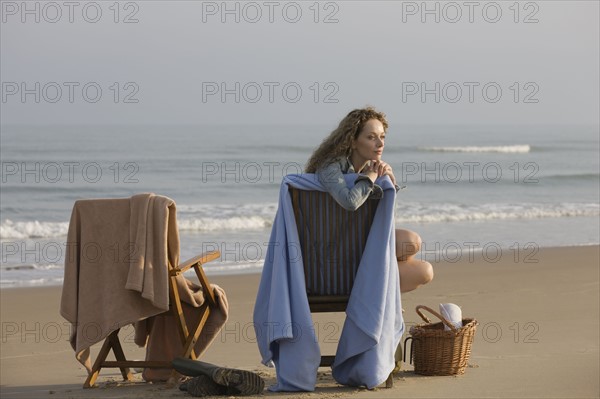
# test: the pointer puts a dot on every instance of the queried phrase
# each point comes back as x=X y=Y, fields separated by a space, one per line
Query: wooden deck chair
x=332 y=240
x=188 y=334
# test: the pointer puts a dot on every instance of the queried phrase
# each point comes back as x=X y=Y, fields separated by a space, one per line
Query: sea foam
x=518 y=148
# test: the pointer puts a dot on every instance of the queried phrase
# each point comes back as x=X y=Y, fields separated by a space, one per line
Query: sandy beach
x=538 y=334
x=485 y=116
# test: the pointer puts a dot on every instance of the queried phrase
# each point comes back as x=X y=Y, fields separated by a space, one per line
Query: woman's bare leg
x=413 y=272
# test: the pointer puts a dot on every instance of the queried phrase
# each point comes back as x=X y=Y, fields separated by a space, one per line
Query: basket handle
x=439 y=316
x=410 y=357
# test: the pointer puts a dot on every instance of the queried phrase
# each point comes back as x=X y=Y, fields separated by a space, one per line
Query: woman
x=356 y=146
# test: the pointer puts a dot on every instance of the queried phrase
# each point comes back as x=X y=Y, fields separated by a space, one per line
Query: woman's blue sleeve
x=332 y=178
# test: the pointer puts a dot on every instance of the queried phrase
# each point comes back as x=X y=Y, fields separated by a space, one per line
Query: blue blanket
x=373 y=327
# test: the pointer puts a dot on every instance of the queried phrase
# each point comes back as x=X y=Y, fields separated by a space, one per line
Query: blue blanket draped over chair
x=374 y=325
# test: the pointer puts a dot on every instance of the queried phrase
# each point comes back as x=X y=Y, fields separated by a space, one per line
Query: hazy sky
x=188 y=62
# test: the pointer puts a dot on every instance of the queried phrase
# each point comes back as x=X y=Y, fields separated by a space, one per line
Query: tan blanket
x=116 y=271
x=162 y=335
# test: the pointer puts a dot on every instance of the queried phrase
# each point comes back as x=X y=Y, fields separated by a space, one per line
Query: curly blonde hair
x=339 y=142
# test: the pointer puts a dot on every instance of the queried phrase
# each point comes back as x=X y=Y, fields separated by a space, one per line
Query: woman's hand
x=374 y=169
x=383 y=168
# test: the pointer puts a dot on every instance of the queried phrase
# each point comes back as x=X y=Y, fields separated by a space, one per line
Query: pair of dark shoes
x=204 y=386
x=212 y=380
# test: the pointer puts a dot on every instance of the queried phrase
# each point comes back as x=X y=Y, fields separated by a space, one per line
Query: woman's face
x=370 y=142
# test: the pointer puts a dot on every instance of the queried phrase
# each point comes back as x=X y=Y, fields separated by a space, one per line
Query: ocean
x=489 y=189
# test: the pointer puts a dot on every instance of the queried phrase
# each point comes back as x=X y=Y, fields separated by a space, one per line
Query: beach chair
x=122 y=269
x=332 y=240
x=187 y=334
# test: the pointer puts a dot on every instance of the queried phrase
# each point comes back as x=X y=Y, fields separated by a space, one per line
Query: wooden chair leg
x=120 y=355
x=389 y=383
x=177 y=310
x=188 y=347
x=111 y=342
x=104 y=350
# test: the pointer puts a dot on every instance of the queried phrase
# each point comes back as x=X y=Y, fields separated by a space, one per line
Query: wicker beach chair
x=332 y=240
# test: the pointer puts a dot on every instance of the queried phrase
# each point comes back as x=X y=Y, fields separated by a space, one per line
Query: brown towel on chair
x=116 y=267
x=153 y=230
x=162 y=334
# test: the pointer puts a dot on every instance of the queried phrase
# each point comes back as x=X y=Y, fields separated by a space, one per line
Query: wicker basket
x=436 y=351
